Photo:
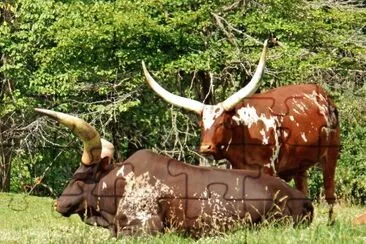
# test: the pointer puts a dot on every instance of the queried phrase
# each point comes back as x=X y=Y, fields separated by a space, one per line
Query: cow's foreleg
x=103 y=219
x=301 y=182
x=97 y=221
x=136 y=227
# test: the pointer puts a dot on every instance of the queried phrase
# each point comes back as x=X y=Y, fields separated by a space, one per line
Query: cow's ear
x=104 y=163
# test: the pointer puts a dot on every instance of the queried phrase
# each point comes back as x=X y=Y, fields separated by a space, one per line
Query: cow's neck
x=256 y=143
x=107 y=194
x=236 y=159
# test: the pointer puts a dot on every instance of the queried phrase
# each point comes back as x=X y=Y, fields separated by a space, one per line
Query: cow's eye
x=221 y=147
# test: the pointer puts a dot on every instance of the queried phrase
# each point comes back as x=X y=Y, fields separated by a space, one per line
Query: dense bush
x=84 y=57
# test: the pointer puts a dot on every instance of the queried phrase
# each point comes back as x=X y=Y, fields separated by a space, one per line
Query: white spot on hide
x=265 y=138
x=104 y=185
x=303 y=137
x=248 y=116
x=320 y=101
x=228 y=144
x=276 y=152
x=301 y=106
x=140 y=199
x=121 y=172
x=295 y=110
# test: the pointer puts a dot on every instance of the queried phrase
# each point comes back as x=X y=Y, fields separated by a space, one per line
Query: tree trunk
x=6 y=152
x=6 y=141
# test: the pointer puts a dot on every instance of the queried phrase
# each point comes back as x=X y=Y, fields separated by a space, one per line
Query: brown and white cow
x=281 y=132
x=149 y=192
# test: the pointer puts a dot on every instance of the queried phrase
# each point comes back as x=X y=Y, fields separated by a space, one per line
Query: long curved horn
x=183 y=102
x=251 y=87
x=87 y=133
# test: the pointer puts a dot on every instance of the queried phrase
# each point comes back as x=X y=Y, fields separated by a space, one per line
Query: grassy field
x=29 y=219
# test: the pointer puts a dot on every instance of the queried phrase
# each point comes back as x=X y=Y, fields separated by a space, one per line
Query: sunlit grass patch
x=29 y=219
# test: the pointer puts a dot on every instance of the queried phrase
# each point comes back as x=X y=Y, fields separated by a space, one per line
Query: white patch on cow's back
x=246 y=115
x=269 y=123
x=298 y=106
x=296 y=111
x=329 y=116
x=302 y=107
x=292 y=118
x=316 y=98
x=303 y=137
x=285 y=134
x=210 y=113
x=104 y=185
x=121 y=172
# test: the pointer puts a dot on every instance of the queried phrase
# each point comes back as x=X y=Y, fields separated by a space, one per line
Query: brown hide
x=149 y=192
x=197 y=200
x=282 y=132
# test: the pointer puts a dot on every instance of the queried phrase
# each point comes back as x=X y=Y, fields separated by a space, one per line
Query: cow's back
x=198 y=194
x=306 y=126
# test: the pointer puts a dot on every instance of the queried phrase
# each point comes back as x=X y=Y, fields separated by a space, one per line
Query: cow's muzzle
x=207 y=149
x=65 y=209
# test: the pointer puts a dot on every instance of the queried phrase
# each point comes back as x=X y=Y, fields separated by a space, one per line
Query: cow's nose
x=60 y=205
x=206 y=148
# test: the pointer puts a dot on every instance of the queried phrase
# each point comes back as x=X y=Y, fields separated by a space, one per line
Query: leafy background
x=84 y=58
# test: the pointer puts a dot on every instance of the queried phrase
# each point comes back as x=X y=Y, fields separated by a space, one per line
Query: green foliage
x=42 y=174
x=352 y=164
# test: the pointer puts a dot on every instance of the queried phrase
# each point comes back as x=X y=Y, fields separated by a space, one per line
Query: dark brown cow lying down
x=149 y=192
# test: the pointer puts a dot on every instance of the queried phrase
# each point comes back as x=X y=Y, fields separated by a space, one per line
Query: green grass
x=29 y=219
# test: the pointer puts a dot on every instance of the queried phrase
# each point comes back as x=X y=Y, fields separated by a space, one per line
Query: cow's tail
x=334 y=110
x=333 y=113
